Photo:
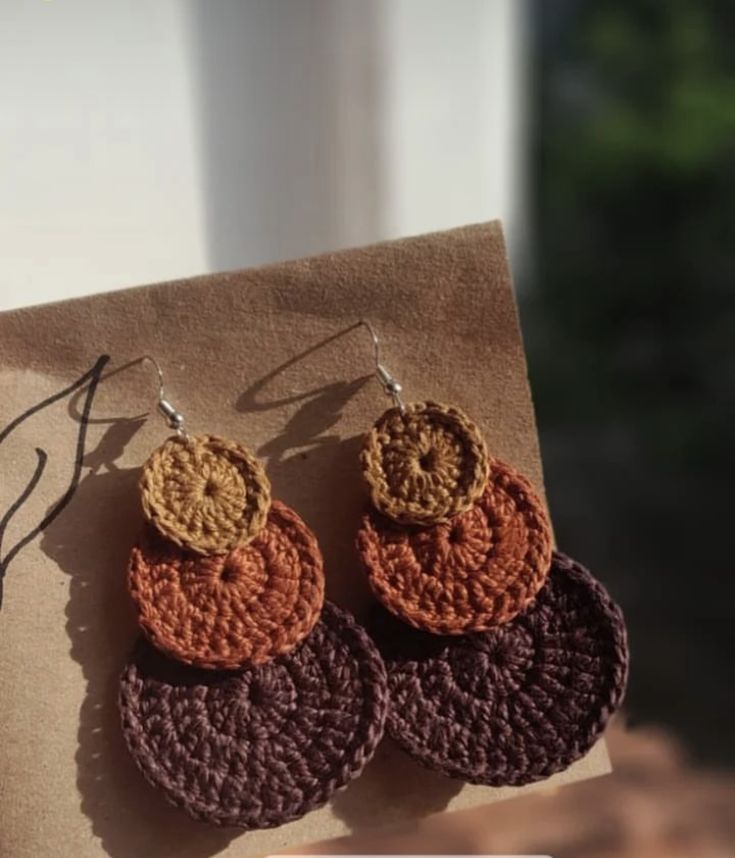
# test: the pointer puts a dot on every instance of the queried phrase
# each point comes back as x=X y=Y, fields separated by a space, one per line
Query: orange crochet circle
x=224 y=611
x=466 y=575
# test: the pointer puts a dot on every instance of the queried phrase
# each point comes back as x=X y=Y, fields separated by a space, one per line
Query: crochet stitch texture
x=263 y=746
x=222 y=611
x=515 y=704
x=466 y=575
x=424 y=464
x=205 y=493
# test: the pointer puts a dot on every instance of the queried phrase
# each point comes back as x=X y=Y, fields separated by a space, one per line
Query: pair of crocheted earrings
x=257 y=700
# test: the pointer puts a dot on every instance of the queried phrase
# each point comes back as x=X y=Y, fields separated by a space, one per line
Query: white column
x=454 y=112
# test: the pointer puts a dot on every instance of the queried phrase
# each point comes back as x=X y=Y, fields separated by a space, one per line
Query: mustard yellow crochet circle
x=425 y=464
x=205 y=493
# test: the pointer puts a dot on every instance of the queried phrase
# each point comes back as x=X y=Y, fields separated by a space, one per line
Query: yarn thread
x=424 y=464
x=205 y=493
x=263 y=746
x=480 y=569
x=516 y=704
x=222 y=611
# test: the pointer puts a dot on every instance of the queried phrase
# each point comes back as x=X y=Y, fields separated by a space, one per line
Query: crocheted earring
x=248 y=705
x=517 y=657
x=457 y=541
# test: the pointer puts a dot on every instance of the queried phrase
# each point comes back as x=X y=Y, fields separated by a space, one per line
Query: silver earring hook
x=390 y=383
x=173 y=417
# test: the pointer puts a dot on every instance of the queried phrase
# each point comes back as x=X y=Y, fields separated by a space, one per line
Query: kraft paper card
x=270 y=357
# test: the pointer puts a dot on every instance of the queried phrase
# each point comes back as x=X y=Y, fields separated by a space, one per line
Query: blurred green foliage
x=630 y=328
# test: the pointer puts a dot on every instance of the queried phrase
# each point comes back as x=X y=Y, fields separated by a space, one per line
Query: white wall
x=144 y=141
x=98 y=165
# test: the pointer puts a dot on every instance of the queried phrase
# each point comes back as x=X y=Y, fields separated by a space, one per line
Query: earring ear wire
x=173 y=417
x=390 y=383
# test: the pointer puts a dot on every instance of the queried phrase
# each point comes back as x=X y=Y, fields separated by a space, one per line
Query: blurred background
x=143 y=142
x=629 y=317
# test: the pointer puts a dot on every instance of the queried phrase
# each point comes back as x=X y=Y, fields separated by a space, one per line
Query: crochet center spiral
x=265 y=745
x=250 y=605
x=204 y=493
x=479 y=569
x=518 y=703
x=424 y=464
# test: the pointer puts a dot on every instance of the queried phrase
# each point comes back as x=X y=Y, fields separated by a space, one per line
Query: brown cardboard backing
x=271 y=357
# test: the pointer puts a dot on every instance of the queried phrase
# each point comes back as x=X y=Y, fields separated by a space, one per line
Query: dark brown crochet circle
x=262 y=746
x=515 y=704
